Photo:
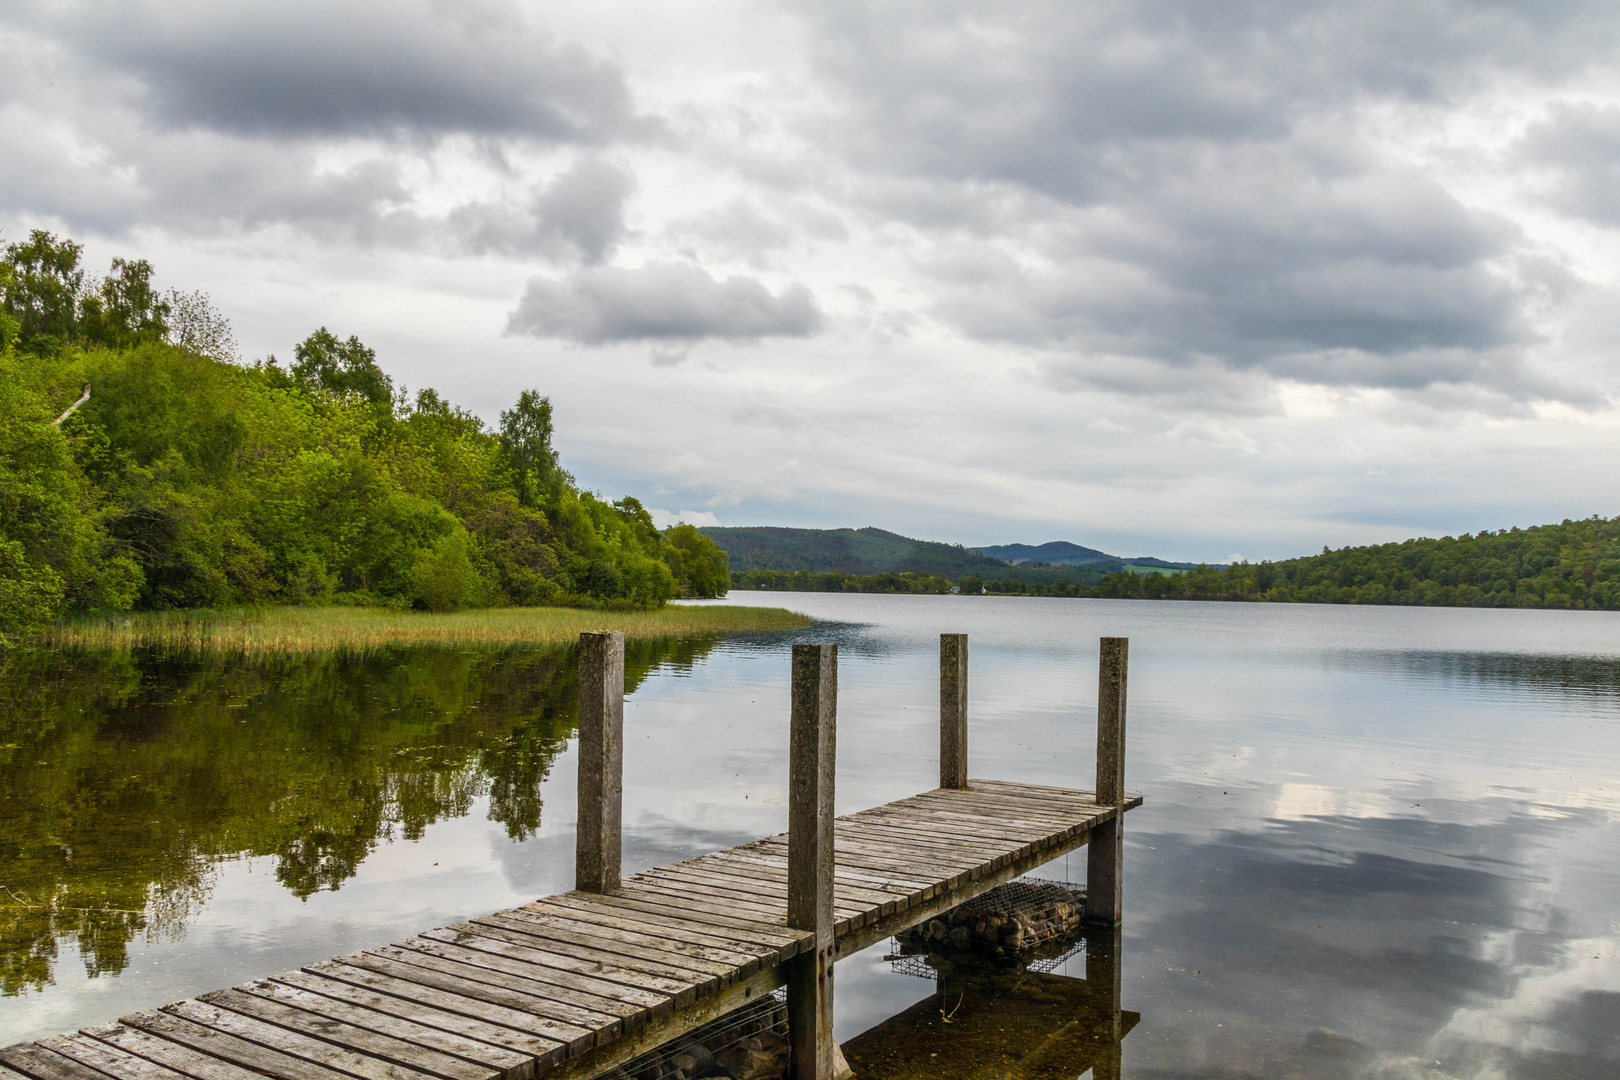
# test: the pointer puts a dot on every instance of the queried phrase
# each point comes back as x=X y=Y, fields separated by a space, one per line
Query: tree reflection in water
x=126 y=778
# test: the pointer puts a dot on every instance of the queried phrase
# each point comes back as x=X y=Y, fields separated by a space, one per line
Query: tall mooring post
x=1105 y=859
x=601 y=762
x=953 y=683
x=812 y=752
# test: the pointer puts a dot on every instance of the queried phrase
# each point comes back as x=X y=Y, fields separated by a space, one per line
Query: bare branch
x=84 y=397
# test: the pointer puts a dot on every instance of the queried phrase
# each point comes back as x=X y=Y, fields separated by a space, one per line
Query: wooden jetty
x=573 y=985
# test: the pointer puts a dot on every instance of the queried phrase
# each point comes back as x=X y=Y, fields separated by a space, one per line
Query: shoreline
x=309 y=629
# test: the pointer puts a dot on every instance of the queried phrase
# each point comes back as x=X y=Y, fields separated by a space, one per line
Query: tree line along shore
x=1574 y=564
x=145 y=468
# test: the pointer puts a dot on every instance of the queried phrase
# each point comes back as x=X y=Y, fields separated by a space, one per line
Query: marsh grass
x=296 y=629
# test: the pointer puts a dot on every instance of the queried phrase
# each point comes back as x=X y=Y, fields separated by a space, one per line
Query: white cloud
x=665 y=518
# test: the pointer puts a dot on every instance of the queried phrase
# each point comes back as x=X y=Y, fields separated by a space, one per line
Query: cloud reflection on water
x=1374 y=839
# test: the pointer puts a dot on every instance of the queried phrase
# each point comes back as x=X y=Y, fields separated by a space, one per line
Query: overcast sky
x=1177 y=278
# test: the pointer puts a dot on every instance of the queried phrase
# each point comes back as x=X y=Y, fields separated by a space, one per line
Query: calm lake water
x=1377 y=842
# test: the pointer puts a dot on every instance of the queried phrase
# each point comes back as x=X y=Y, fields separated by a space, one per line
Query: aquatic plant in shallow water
x=286 y=629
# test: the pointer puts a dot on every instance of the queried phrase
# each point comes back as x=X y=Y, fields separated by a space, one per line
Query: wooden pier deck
x=575 y=984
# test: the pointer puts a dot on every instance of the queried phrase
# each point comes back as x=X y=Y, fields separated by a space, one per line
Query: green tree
x=10 y=328
x=123 y=309
x=195 y=326
x=701 y=569
x=42 y=290
x=324 y=363
x=443 y=577
x=526 y=445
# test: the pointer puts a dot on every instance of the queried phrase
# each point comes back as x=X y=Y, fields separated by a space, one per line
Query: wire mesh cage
x=1033 y=921
x=749 y=1043
x=1010 y=917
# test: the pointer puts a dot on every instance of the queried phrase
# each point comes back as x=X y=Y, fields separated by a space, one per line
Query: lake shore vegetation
x=272 y=629
x=144 y=468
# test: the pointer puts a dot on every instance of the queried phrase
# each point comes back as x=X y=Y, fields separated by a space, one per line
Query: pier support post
x=953 y=685
x=812 y=752
x=601 y=762
x=1105 y=852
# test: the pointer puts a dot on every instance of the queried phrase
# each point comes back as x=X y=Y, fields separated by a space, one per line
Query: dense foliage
x=1575 y=564
x=837 y=581
x=185 y=480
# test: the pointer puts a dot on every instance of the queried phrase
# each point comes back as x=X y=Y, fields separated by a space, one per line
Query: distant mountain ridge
x=1059 y=552
x=877 y=551
x=853 y=551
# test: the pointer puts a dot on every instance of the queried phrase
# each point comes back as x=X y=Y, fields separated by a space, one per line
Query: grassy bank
x=298 y=629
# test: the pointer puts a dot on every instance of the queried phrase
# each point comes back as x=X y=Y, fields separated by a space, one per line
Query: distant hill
x=875 y=551
x=1574 y=564
x=1058 y=552
x=853 y=551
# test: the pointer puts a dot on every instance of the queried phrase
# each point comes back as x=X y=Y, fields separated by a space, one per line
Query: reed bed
x=293 y=629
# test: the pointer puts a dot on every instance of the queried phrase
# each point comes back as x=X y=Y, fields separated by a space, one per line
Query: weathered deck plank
x=572 y=981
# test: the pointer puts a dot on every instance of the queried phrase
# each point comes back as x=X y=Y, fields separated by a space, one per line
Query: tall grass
x=294 y=629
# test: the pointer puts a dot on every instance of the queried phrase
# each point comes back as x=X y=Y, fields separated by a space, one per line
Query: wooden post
x=953 y=684
x=1105 y=857
x=601 y=762
x=812 y=752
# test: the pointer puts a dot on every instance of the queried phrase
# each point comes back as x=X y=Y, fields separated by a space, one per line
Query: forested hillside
x=1058 y=552
x=141 y=467
x=872 y=560
x=1575 y=564
x=851 y=551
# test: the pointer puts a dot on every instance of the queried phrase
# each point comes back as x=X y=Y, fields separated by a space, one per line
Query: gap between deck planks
x=578 y=982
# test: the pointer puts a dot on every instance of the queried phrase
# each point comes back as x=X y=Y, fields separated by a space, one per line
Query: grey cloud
x=1581 y=144
x=1381 y=280
x=202 y=175
x=660 y=302
x=1048 y=94
x=736 y=230
x=1188 y=184
x=199 y=182
x=369 y=67
x=578 y=214
x=740 y=230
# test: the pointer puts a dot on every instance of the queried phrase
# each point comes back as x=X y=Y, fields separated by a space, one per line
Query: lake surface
x=1377 y=842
